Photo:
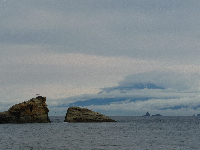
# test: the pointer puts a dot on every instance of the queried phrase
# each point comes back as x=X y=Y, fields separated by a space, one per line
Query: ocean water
x=129 y=133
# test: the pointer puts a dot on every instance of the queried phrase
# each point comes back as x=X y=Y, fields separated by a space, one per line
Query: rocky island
x=33 y=111
x=77 y=114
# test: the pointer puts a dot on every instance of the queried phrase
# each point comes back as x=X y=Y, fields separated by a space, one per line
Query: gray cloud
x=68 y=48
x=154 y=30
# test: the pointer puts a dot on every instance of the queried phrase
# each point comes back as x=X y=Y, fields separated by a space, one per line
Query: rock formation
x=77 y=114
x=33 y=111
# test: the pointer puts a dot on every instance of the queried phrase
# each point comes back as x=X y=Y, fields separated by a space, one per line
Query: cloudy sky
x=94 y=54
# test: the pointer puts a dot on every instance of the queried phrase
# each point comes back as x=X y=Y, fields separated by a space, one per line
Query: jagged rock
x=147 y=114
x=33 y=111
x=77 y=114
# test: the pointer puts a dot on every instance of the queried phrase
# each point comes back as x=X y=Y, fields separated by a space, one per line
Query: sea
x=128 y=133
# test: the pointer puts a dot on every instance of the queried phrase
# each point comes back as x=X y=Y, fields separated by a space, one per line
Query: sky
x=96 y=54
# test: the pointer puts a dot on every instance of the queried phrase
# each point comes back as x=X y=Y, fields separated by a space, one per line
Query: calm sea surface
x=129 y=133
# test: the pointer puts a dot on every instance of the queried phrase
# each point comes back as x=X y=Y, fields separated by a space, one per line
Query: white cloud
x=169 y=78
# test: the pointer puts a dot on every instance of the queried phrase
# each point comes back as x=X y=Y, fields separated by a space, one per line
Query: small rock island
x=77 y=114
x=33 y=111
x=147 y=114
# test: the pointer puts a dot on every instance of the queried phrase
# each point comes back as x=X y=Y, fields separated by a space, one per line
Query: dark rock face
x=147 y=114
x=77 y=114
x=32 y=111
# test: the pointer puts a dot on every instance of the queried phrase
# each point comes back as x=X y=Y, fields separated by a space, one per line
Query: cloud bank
x=176 y=94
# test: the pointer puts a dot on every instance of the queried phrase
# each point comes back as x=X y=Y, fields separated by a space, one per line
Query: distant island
x=148 y=114
x=157 y=115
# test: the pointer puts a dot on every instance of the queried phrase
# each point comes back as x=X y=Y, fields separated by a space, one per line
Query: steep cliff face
x=77 y=114
x=32 y=111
